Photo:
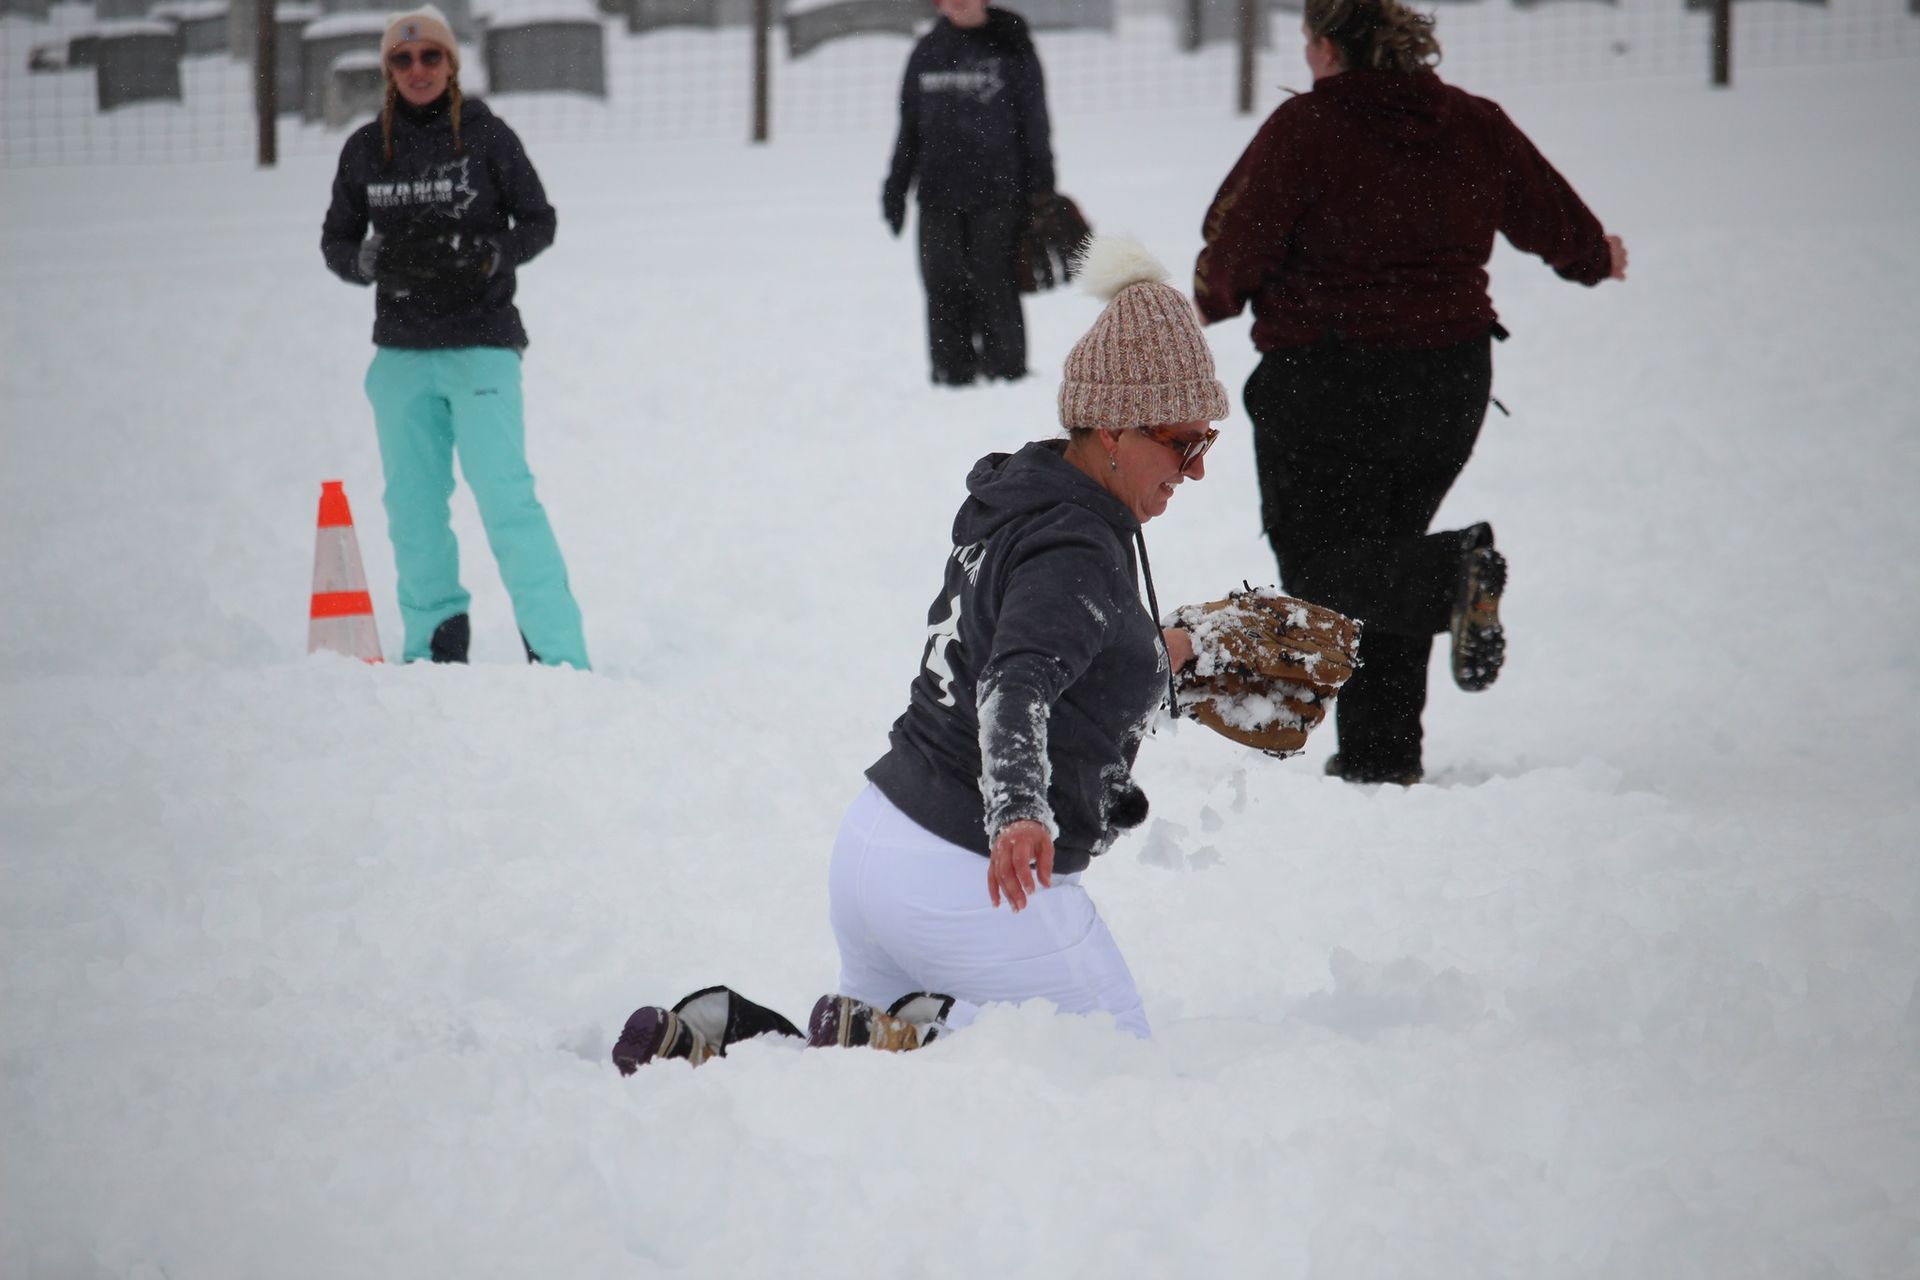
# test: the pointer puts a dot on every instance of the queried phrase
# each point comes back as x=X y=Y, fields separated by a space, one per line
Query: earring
x=1113 y=463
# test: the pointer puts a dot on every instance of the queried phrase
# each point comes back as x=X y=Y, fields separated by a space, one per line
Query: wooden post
x=1723 y=43
x=266 y=99
x=1249 y=33
x=1190 y=35
x=762 y=69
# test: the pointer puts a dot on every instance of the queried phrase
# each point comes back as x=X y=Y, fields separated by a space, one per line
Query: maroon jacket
x=1364 y=211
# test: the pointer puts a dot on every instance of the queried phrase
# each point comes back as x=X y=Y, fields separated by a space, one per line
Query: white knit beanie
x=425 y=23
x=1145 y=362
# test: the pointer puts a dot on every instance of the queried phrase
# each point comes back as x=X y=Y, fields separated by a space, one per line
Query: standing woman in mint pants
x=454 y=208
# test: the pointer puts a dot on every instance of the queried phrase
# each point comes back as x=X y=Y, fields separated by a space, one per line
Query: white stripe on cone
x=341 y=617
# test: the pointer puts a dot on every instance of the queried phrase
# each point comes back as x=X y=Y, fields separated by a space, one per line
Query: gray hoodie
x=1042 y=668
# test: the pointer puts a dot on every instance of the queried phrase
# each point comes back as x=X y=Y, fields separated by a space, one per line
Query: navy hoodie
x=488 y=187
x=1042 y=668
x=973 y=118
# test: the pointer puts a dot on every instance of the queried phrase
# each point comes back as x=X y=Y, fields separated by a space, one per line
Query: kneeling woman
x=958 y=869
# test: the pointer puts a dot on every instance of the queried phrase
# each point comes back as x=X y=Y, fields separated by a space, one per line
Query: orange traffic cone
x=342 y=616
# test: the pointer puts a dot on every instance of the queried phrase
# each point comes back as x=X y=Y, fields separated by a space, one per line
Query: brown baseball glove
x=1265 y=666
x=1055 y=234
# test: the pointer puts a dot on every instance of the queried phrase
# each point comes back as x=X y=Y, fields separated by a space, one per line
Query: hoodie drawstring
x=1146 y=571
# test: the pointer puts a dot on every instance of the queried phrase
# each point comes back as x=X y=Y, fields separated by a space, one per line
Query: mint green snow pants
x=428 y=405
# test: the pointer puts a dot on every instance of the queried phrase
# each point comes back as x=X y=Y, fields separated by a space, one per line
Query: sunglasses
x=401 y=59
x=1190 y=450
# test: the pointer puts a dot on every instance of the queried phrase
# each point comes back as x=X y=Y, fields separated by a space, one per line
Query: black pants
x=1355 y=449
x=974 y=325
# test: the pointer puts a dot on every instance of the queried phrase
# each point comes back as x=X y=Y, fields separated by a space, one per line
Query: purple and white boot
x=701 y=1026
x=911 y=1022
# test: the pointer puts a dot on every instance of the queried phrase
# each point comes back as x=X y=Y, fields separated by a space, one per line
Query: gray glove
x=369 y=254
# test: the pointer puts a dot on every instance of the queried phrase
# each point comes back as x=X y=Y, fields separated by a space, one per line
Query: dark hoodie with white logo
x=1042 y=668
x=1364 y=211
x=973 y=117
x=486 y=186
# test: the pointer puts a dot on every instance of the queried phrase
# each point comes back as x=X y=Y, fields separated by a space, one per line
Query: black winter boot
x=450 y=638
x=1337 y=767
x=1479 y=641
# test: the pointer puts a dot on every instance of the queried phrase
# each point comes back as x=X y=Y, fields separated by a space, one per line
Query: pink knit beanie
x=425 y=23
x=1145 y=362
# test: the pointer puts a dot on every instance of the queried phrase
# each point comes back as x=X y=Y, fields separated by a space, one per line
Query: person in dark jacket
x=455 y=209
x=1011 y=768
x=974 y=136
x=1358 y=225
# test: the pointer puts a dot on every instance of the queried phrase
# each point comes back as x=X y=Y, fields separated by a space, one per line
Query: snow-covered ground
x=310 y=969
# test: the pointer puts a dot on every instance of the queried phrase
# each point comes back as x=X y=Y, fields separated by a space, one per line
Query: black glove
x=1033 y=265
x=893 y=207
x=444 y=266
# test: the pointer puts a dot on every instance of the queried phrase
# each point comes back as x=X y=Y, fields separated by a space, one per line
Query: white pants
x=911 y=913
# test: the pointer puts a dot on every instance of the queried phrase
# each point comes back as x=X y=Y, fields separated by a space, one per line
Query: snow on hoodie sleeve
x=1056 y=615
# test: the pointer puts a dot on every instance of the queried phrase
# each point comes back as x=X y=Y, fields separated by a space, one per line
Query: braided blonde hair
x=392 y=100
x=1375 y=35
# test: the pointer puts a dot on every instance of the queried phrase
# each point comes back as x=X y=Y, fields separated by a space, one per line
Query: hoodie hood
x=1003 y=487
x=1042 y=668
x=1404 y=109
x=439 y=113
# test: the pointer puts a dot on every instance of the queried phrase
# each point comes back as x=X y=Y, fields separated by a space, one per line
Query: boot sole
x=1479 y=640
x=653 y=1032
x=640 y=1040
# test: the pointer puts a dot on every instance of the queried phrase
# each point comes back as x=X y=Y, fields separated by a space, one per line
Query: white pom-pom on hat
x=1110 y=263
x=1144 y=362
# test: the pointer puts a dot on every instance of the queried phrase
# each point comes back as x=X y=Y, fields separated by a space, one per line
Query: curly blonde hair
x=1375 y=35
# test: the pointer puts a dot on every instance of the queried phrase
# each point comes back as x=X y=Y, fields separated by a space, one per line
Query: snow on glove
x=1265 y=666
x=1051 y=242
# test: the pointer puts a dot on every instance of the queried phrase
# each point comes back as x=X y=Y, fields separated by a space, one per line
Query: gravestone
x=808 y=29
x=202 y=25
x=325 y=39
x=240 y=30
x=136 y=62
x=542 y=55
x=1204 y=22
x=734 y=13
x=653 y=15
x=459 y=14
x=289 y=21
x=1066 y=15
x=356 y=88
